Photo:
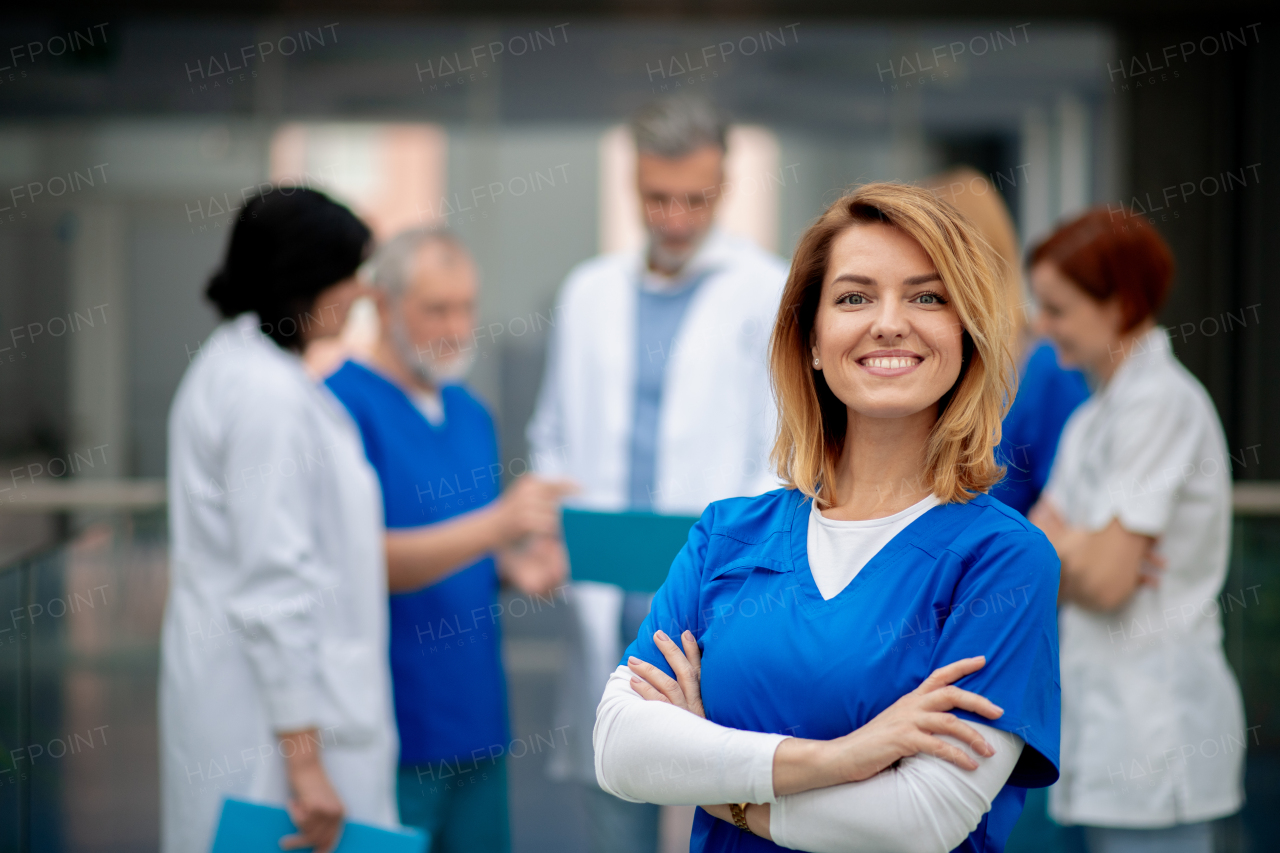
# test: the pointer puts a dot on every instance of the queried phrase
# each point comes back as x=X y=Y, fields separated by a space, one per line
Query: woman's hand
x=912 y=724
x=314 y=806
x=908 y=727
x=685 y=690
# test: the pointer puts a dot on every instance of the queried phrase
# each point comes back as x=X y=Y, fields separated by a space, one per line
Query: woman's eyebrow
x=862 y=279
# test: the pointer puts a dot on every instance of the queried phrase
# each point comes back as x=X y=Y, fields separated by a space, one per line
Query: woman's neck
x=1120 y=350
x=882 y=467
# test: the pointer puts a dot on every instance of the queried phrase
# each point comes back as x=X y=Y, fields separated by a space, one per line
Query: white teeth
x=889 y=363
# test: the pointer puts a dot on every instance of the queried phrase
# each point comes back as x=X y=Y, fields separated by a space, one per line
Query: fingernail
x=990 y=750
x=660 y=636
x=632 y=659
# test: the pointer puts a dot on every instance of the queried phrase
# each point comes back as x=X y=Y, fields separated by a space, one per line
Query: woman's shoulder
x=256 y=375
x=752 y=519
x=987 y=527
x=994 y=547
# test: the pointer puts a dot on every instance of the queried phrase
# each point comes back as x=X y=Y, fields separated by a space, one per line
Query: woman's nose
x=891 y=321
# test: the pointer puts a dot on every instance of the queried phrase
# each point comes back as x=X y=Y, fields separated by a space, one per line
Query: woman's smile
x=885 y=314
x=888 y=363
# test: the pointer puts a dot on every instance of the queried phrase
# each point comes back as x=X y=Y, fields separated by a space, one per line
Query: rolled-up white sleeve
x=652 y=752
x=278 y=564
x=923 y=805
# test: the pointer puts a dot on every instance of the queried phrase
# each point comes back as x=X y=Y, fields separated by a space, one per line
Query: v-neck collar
x=941 y=519
x=407 y=400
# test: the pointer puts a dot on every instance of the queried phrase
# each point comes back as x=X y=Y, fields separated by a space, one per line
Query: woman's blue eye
x=852 y=299
x=931 y=299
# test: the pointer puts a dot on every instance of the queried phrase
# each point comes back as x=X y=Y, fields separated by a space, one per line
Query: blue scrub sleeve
x=1005 y=607
x=675 y=604
x=1065 y=391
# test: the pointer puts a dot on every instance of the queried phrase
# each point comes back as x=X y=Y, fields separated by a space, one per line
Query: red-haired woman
x=1152 y=728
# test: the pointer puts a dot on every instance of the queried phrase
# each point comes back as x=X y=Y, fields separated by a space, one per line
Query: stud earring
x=815 y=362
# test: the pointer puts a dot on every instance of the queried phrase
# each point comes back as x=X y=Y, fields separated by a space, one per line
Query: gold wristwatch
x=739 y=813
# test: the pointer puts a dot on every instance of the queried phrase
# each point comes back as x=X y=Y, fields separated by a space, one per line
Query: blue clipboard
x=633 y=550
x=256 y=828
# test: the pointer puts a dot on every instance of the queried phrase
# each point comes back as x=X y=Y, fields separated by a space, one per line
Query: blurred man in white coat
x=656 y=398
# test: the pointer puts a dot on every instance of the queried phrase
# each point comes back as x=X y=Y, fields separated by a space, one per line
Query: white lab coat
x=716 y=426
x=1153 y=729
x=277 y=612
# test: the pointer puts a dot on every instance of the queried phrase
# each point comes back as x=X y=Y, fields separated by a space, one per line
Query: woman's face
x=886 y=336
x=329 y=310
x=1085 y=332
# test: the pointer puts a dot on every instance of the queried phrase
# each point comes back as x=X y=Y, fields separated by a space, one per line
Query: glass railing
x=79 y=654
x=79 y=651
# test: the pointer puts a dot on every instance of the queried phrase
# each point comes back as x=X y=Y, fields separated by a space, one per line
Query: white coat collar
x=1151 y=350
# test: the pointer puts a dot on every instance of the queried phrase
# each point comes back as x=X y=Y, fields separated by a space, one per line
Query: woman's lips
x=889 y=365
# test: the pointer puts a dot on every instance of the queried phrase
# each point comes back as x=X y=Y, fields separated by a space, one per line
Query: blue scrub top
x=446 y=665
x=961 y=580
x=1047 y=395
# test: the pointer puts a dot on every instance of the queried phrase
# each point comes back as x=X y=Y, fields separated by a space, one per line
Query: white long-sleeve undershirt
x=657 y=753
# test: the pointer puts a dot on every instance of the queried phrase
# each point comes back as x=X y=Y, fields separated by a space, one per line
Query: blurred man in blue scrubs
x=656 y=398
x=451 y=538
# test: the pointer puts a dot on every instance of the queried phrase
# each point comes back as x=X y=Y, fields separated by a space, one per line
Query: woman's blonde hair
x=960 y=458
x=973 y=194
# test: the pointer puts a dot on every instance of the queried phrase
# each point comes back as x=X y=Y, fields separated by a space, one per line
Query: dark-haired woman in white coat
x=274 y=682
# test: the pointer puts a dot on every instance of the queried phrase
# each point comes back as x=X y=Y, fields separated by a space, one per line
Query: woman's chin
x=896 y=410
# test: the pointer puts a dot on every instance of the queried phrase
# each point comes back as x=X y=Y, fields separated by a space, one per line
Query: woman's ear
x=1113 y=315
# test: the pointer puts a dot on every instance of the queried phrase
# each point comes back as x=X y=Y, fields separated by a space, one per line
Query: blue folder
x=633 y=550
x=256 y=828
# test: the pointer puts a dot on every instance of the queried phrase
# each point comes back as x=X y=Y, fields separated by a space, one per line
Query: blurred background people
x=451 y=539
x=274 y=684
x=655 y=398
x=1047 y=392
x=1153 y=733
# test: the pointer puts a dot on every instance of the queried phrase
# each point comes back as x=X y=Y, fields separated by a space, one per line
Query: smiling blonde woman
x=829 y=627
